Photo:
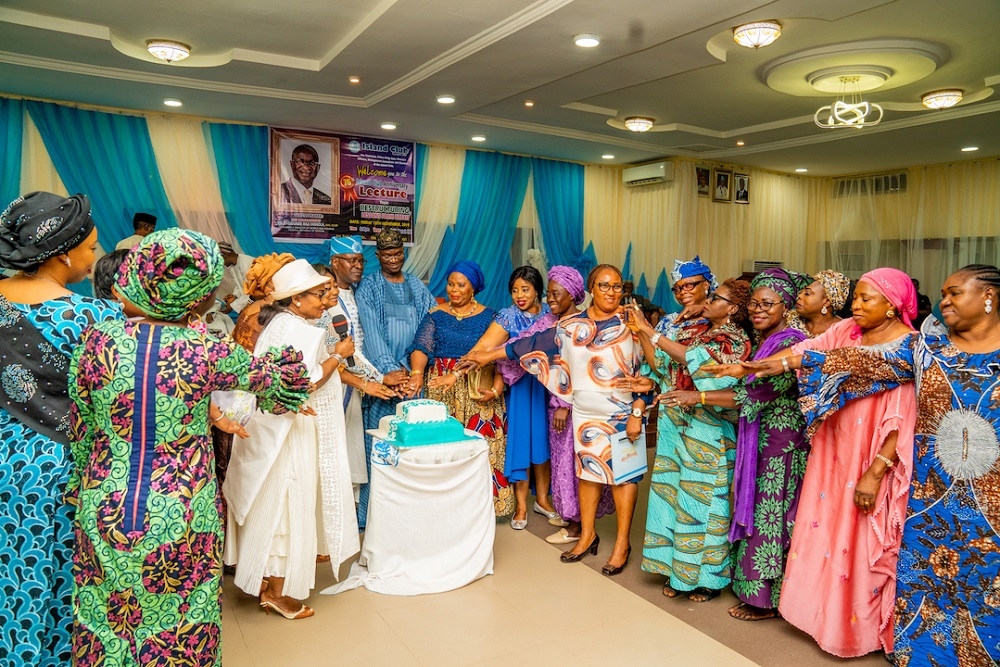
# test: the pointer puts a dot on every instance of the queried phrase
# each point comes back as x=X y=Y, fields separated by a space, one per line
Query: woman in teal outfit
x=687 y=525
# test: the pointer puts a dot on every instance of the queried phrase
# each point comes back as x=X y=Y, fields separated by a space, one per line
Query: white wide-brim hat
x=295 y=278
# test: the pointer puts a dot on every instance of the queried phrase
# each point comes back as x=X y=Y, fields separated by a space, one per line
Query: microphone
x=343 y=328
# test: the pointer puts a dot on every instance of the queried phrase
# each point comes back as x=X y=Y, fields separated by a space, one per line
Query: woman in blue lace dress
x=446 y=334
x=51 y=241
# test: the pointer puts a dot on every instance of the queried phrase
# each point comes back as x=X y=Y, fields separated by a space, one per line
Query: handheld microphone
x=343 y=328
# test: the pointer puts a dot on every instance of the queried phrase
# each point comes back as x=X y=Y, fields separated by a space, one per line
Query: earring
x=890 y=313
x=67 y=261
x=989 y=305
x=824 y=310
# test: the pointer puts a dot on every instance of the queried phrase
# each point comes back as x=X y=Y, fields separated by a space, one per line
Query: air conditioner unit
x=647 y=174
x=758 y=265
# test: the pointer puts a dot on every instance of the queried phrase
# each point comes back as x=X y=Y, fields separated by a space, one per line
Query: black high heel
x=570 y=557
x=610 y=570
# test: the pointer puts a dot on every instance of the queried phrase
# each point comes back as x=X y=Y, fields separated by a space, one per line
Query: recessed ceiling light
x=354 y=79
x=969 y=149
x=529 y=103
x=168 y=50
x=941 y=99
x=388 y=126
x=446 y=99
x=757 y=34
x=608 y=156
x=801 y=170
x=172 y=102
x=740 y=142
x=478 y=137
x=587 y=40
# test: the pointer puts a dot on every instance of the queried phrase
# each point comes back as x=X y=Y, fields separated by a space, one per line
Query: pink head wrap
x=571 y=279
x=897 y=287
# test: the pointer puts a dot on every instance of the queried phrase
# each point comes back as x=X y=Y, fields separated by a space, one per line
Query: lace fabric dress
x=445 y=338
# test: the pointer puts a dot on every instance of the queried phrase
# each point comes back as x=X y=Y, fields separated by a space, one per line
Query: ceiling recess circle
x=863 y=78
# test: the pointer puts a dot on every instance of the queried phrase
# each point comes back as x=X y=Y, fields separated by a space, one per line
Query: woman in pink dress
x=840 y=580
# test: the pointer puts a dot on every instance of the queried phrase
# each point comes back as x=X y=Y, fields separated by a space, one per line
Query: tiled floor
x=534 y=610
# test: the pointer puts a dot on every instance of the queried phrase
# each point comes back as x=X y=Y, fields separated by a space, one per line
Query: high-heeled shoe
x=552 y=516
x=610 y=570
x=304 y=612
x=570 y=557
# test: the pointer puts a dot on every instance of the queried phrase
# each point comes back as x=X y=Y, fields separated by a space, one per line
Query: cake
x=421 y=422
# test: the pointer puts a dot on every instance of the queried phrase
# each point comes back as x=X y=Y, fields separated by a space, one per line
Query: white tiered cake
x=421 y=422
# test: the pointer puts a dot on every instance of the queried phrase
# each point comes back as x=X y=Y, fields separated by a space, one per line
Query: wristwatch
x=637 y=413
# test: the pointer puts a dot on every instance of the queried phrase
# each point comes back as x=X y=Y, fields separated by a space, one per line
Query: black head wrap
x=41 y=225
x=388 y=239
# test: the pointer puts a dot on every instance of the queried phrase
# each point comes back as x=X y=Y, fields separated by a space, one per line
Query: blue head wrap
x=471 y=271
x=345 y=245
x=695 y=267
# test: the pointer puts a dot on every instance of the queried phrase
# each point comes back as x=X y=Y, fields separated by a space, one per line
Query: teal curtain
x=559 y=199
x=493 y=187
x=662 y=296
x=109 y=158
x=11 y=132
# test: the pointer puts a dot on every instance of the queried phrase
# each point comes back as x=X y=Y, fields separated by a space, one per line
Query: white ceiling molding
x=176 y=81
x=67 y=26
x=509 y=26
x=355 y=32
x=719 y=134
x=591 y=108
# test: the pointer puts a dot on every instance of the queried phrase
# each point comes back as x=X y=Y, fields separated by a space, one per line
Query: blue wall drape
x=108 y=157
x=11 y=133
x=492 y=193
x=559 y=199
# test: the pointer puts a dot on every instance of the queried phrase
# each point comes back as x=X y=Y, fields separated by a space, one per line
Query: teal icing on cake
x=422 y=422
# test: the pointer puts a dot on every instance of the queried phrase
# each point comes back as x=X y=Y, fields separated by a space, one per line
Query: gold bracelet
x=703 y=398
x=364 y=386
x=886 y=460
x=416 y=372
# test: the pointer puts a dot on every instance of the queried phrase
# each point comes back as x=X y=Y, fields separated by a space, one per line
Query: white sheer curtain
x=441 y=187
x=602 y=224
x=188 y=175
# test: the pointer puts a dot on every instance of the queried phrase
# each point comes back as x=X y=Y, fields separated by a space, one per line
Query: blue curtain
x=11 y=130
x=109 y=158
x=559 y=200
x=662 y=296
x=627 y=266
x=492 y=193
x=642 y=288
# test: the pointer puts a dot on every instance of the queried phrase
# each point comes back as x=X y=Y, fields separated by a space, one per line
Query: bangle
x=784 y=364
x=456 y=373
x=415 y=372
x=655 y=338
x=886 y=460
x=339 y=359
x=364 y=386
x=702 y=398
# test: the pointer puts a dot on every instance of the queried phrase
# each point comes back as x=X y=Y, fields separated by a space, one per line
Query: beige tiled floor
x=533 y=611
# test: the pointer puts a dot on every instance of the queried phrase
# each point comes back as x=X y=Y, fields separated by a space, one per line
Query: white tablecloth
x=431 y=525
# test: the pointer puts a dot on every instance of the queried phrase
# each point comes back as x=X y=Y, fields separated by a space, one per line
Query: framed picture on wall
x=722 y=185
x=703 y=175
x=742 y=194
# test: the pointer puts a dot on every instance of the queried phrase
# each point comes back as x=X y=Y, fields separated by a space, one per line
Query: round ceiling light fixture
x=446 y=99
x=757 y=34
x=801 y=170
x=941 y=99
x=587 y=40
x=607 y=156
x=639 y=123
x=354 y=79
x=741 y=143
x=172 y=102
x=388 y=125
x=479 y=138
x=969 y=149
x=167 y=50
x=529 y=103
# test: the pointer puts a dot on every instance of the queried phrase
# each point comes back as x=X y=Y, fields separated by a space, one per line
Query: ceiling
x=287 y=64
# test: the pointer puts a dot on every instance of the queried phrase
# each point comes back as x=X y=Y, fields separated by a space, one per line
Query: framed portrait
x=303 y=166
x=742 y=185
x=722 y=185
x=703 y=176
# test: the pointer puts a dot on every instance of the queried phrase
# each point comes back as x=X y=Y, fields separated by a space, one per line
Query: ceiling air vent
x=758 y=265
x=878 y=184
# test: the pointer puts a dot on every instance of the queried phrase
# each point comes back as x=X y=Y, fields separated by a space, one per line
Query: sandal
x=669 y=591
x=702 y=594
x=748 y=612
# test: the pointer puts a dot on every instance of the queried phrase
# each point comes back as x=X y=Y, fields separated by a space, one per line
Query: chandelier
x=638 y=123
x=757 y=34
x=168 y=50
x=849 y=110
x=941 y=99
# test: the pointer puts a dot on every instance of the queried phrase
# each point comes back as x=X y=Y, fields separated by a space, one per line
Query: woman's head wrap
x=571 y=279
x=897 y=287
x=786 y=284
x=837 y=287
x=471 y=271
x=695 y=267
x=41 y=225
x=170 y=273
x=261 y=270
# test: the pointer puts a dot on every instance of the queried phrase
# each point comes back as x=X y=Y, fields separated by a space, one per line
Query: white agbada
x=271 y=486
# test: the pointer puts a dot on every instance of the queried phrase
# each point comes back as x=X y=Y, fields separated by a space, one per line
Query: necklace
x=35 y=276
x=462 y=316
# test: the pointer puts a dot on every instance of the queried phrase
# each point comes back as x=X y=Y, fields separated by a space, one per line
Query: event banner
x=325 y=185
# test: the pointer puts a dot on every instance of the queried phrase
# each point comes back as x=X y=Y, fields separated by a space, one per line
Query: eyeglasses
x=617 y=288
x=356 y=261
x=686 y=287
x=306 y=163
x=320 y=294
x=715 y=295
x=753 y=304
